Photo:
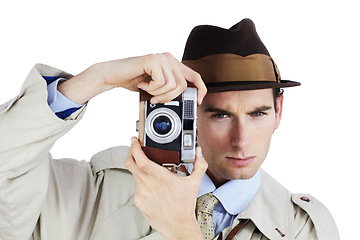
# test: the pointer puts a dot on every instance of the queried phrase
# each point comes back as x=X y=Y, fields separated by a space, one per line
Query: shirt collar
x=234 y=195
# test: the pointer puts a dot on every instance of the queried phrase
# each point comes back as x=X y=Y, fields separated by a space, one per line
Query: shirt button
x=305 y=199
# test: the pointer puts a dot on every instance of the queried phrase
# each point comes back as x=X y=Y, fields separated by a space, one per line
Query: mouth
x=240 y=162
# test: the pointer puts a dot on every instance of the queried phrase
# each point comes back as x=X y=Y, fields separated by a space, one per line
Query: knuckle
x=160 y=81
x=157 y=79
x=203 y=92
x=156 y=84
x=127 y=164
x=153 y=56
x=196 y=75
x=150 y=58
x=142 y=164
x=154 y=59
x=153 y=87
x=172 y=85
x=167 y=55
x=137 y=200
x=182 y=85
x=162 y=98
x=203 y=165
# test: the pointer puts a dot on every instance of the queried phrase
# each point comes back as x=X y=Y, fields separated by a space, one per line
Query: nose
x=240 y=135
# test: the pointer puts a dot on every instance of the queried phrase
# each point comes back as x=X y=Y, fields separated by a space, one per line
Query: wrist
x=84 y=86
x=194 y=233
x=187 y=230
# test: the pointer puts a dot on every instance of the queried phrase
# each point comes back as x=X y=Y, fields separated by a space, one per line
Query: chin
x=244 y=177
x=244 y=174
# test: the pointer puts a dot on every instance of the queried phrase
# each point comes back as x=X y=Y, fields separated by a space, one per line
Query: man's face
x=234 y=131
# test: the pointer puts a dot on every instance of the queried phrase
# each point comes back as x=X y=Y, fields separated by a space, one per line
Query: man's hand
x=166 y=200
x=161 y=75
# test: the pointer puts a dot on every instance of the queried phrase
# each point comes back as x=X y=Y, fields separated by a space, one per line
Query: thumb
x=200 y=165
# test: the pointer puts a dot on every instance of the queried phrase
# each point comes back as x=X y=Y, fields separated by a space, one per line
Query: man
x=42 y=198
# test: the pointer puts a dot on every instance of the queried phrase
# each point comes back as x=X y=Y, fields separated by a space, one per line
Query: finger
x=200 y=165
x=166 y=97
x=195 y=78
x=131 y=165
x=173 y=77
x=156 y=82
x=180 y=86
x=170 y=84
x=143 y=162
x=155 y=71
x=160 y=69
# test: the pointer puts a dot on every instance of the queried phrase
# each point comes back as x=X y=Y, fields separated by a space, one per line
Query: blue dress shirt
x=234 y=196
x=58 y=103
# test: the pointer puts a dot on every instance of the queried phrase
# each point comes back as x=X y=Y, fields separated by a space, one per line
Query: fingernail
x=133 y=140
x=155 y=101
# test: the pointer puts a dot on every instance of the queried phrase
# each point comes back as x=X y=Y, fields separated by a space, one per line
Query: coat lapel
x=270 y=210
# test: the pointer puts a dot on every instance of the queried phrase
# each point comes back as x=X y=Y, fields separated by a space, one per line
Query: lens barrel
x=163 y=125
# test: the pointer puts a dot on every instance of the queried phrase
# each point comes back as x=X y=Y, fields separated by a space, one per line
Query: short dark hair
x=277 y=93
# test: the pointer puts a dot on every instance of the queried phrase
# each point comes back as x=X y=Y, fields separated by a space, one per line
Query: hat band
x=229 y=67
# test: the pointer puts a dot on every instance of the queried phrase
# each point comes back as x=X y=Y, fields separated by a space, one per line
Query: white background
x=315 y=150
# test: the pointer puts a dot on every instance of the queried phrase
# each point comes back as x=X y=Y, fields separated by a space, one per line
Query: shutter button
x=305 y=199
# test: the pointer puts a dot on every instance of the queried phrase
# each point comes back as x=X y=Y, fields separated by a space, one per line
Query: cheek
x=207 y=140
x=209 y=135
x=263 y=138
x=205 y=134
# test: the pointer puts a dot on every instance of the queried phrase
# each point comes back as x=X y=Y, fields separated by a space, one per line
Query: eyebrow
x=219 y=110
x=261 y=109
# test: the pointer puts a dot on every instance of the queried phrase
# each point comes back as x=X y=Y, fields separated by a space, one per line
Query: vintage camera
x=167 y=131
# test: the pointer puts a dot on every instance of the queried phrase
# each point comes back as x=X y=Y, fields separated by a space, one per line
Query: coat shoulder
x=109 y=169
x=321 y=217
x=111 y=158
x=116 y=212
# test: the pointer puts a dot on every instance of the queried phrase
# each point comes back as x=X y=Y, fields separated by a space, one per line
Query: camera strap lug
x=178 y=169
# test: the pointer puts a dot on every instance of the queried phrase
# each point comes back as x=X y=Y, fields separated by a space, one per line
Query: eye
x=258 y=114
x=219 y=115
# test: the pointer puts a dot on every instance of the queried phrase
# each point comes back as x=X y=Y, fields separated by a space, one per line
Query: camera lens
x=162 y=125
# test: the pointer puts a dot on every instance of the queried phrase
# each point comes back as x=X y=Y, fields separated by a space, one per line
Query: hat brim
x=248 y=85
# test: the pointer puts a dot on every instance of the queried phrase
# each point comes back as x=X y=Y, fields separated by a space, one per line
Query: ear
x=278 y=114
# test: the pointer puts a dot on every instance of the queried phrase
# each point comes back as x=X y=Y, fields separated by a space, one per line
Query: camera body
x=167 y=131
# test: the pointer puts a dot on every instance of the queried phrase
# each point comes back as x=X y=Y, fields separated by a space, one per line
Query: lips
x=240 y=162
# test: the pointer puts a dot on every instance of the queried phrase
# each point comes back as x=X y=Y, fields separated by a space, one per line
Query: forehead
x=239 y=98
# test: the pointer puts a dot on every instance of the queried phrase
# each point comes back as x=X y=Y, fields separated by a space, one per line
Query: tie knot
x=206 y=203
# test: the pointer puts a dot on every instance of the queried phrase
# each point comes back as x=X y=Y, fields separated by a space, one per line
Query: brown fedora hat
x=232 y=59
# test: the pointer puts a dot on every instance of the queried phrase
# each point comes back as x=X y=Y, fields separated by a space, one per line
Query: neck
x=217 y=182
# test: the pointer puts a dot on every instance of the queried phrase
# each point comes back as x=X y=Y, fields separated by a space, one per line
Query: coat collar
x=271 y=209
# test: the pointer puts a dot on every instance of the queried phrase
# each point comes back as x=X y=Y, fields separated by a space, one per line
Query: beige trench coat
x=43 y=198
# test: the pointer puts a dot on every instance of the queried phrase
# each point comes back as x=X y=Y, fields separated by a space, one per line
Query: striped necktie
x=205 y=207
